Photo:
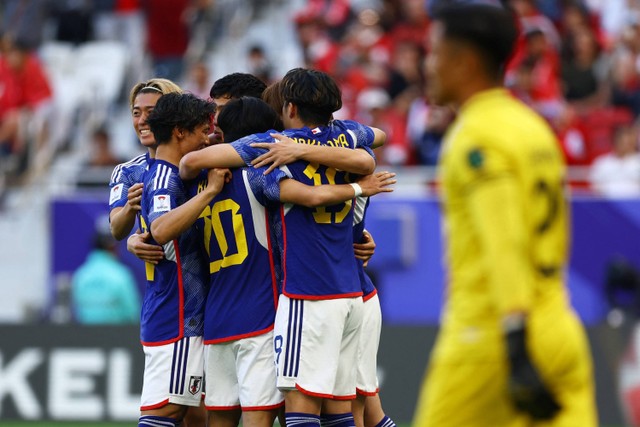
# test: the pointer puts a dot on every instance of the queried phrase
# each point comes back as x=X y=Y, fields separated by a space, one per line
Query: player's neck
x=168 y=153
x=473 y=87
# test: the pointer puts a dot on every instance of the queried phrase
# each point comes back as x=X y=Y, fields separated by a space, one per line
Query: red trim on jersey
x=274 y=281
x=263 y=408
x=159 y=343
x=367 y=393
x=239 y=337
x=155 y=405
x=180 y=290
x=284 y=248
x=370 y=295
x=221 y=408
x=325 y=396
x=323 y=297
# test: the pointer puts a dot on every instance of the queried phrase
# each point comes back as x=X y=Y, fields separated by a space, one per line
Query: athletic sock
x=386 y=422
x=337 y=420
x=300 y=419
x=154 y=421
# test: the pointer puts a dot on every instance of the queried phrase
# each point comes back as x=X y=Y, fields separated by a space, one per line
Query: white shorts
x=242 y=373
x=316 y=346
x=173 y=373
x=367 y=378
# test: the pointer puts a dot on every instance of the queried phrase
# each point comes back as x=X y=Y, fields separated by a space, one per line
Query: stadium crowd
x=576 y=64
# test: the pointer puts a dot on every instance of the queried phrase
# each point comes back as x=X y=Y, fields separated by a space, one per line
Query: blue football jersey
x=243 y=292
x=173 y=305
x=316 y=245
x=124 y=176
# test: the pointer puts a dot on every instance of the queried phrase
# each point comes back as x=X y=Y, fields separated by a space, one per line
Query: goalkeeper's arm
x=526 y=389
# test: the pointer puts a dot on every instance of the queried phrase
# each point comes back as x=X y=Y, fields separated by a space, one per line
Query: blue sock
x=300 y=419
x=386 y=422
x=154 y=421
x=337 y=420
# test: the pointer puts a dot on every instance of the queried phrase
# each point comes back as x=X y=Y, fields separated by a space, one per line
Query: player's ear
x=291 y=109
x=178 y=133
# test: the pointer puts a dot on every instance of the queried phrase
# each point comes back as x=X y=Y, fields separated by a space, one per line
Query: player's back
x=243 y=294
x=315 y=245
x=498 y=138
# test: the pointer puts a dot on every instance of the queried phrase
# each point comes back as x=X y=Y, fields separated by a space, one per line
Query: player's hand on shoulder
x=377 y=182
x=284 y=151
x=526 y=388
x=365 y=249
x=138 y=245
x=134 y=196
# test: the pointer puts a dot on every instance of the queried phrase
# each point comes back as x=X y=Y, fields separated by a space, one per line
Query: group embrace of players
x=257 y=304
x=254 y=250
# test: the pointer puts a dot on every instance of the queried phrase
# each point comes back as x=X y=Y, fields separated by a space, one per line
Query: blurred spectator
x=428 y=142
x=167 y=36
x=198 y=81
x=25 y=93
x=625 y=73
x=103 y=289
x=376 y=109
x=584 y=70
x=25 y=20
x=617 y=174
x=101 y=150
x=73 y=20
x=545 y=92
x=259 y=65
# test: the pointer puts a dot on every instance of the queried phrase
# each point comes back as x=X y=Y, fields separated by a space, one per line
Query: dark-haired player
x=241 y=304
x=318 y=272
x=511 y=351
x=171 y=325
x=233 y=86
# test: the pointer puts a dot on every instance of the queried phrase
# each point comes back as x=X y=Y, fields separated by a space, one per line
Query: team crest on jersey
x=476 y=158
x=116 y=192
x=195 y=385
x=162 y=203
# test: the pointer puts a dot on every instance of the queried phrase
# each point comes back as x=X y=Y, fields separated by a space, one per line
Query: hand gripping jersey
x=315 y=246
x=173 y=305
x=243 y=292
x=124 y=176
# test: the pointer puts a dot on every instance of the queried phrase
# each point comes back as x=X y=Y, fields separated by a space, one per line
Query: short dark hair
x=245 y=116
x=491 y=30
x=184 y=111
x=237 y=85
x=315 y=93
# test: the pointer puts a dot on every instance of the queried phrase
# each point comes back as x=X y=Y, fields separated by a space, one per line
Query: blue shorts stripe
x=185 y=359
x=173 y=368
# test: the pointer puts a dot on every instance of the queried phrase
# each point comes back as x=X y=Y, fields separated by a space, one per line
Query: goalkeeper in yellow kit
x=511 y=351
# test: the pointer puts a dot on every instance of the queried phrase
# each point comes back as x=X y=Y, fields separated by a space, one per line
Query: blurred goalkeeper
x=511 y=351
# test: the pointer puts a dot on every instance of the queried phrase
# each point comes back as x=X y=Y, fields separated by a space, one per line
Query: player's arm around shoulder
x=176 y=221
x=292 y=191
x=214 y=156
x=286 y=151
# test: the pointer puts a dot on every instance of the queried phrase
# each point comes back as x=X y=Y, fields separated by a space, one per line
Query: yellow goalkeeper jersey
x=505 y=221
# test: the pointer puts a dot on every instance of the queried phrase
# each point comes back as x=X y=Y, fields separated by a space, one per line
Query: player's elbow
x=160 y=234
x=379 y=137
x=117 y=233
x=188 y=166
x=364 y=165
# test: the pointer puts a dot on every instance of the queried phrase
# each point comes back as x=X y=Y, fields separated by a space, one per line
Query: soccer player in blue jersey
x=239 y=319
x=126 y=180
x=173 y=308
x=314 y=247
x=232 y=86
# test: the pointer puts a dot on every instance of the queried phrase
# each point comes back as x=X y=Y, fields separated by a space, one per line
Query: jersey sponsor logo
x=162 y=203
x=195 y=384
x=116 y=192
